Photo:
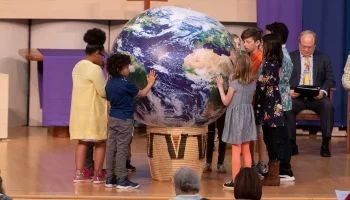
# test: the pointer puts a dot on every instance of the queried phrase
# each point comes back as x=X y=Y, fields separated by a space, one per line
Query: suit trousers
x=322 y=107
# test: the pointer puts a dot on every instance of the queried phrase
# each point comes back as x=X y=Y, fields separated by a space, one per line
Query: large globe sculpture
x=188 y=50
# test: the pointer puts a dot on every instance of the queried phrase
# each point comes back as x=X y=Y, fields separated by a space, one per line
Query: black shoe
x=125 y=183
x=129 y=167
x=295 y=150
x=286 y=175
x=325 y=151
x=229 y=185
x=111 y=181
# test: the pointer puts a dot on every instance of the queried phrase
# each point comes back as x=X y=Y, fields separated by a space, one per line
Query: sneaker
x=207 y=168
x=253 y=165
x=221 y=169
x=90 y=172
x=229 y=185
x=99 y=177
x=129 y=167
x=111 y=181
x=81 y=177
x=286 y=176
x=261 y=169
x=124 y=183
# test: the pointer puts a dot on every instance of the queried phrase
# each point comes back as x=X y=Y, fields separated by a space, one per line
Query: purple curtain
x=289 y=12
x=55 y=83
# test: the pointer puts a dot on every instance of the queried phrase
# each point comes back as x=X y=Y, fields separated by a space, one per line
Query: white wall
x=56 y=34
x=14 y=36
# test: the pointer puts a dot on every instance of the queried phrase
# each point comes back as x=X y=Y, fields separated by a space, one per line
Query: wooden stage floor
x=37 y=166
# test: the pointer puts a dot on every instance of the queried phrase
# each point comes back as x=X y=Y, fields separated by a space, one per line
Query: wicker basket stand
x=173 y=147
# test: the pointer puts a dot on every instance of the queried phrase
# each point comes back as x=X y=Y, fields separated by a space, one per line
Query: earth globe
x=188 y=50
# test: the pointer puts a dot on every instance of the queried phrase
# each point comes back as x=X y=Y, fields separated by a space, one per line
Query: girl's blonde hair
x=243 y=70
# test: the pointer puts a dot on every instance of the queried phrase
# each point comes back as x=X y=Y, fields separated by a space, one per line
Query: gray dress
x=240 y=120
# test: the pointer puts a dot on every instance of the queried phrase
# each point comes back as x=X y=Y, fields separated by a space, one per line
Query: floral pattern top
x=285 y=74
x=346 y=76
x=268 y=101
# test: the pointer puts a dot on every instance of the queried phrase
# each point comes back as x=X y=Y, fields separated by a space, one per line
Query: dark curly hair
x=95 y=39
x=116 y=63
x=280 y=29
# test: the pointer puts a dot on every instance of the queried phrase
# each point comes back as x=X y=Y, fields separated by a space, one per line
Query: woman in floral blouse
x=268 y=103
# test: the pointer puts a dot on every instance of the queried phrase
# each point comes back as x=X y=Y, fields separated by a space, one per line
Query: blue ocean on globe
x=187 y=49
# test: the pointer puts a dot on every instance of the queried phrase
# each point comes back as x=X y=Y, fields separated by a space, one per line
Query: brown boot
x=273 y=178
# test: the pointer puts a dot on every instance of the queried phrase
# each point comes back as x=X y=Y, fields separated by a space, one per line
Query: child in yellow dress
x=88 y=116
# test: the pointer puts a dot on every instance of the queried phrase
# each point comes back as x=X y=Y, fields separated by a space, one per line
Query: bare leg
x=100 y=151
x=252 y=150
x=80 y=154
x=247 y=162
x=236 y=159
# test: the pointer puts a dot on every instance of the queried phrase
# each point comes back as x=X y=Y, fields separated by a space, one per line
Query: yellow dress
x=88 y=114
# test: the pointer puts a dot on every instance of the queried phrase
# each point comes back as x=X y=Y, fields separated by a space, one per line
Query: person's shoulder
x=5 y=197
x=321 y=55
x=294 y=53
x=251 y=85
x=260 y=54
x=286 y=54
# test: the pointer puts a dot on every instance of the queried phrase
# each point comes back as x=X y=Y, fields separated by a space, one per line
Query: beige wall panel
x=4 y=105
x=223 y=10
x=14 y=36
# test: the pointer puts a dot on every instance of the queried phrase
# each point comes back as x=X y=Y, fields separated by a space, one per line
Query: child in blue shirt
x=121 y=93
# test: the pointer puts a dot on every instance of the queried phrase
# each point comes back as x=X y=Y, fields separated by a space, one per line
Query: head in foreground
x=248 y=185
x=186 y=181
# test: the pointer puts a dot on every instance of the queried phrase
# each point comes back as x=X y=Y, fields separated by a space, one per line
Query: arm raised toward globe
x=151 y=79
x=225 y=98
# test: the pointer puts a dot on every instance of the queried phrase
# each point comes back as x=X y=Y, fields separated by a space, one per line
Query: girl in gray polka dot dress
x=240 y=126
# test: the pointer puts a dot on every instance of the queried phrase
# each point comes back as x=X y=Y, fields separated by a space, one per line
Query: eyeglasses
x=306 y=47
x=101 y=54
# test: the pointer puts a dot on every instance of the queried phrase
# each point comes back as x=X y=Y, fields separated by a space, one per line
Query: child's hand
x=219 y=81
x=151 y=77
x=231 y=78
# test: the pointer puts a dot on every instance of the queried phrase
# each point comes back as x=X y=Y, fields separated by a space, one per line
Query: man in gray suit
x=312 y=68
